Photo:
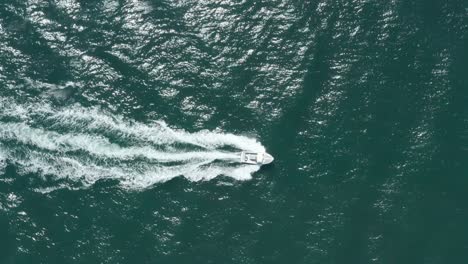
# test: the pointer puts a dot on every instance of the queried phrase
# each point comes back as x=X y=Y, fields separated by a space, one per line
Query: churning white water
x=84 y=145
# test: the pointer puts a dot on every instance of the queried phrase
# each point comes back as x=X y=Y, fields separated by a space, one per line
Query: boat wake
x=83 y=145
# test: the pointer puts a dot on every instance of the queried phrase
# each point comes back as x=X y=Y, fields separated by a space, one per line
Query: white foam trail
x=159 y=134
x=2 y=158
x=96 y=145
x=134 y=176
x=86 y=145
x=97 y=121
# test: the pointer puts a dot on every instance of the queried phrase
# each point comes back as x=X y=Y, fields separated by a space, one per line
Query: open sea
x=121 y=123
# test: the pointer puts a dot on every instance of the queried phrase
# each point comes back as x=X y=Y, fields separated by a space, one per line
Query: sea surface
x=121 y=123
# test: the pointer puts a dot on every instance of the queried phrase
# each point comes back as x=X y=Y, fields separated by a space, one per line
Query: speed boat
x=255 y=158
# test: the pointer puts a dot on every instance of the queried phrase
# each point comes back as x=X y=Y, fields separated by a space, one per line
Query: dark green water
x=120 y=122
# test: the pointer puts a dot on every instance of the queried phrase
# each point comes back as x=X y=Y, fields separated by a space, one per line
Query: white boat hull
x=256 y=158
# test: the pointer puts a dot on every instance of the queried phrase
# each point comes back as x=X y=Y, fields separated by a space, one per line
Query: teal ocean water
x=121 y=122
